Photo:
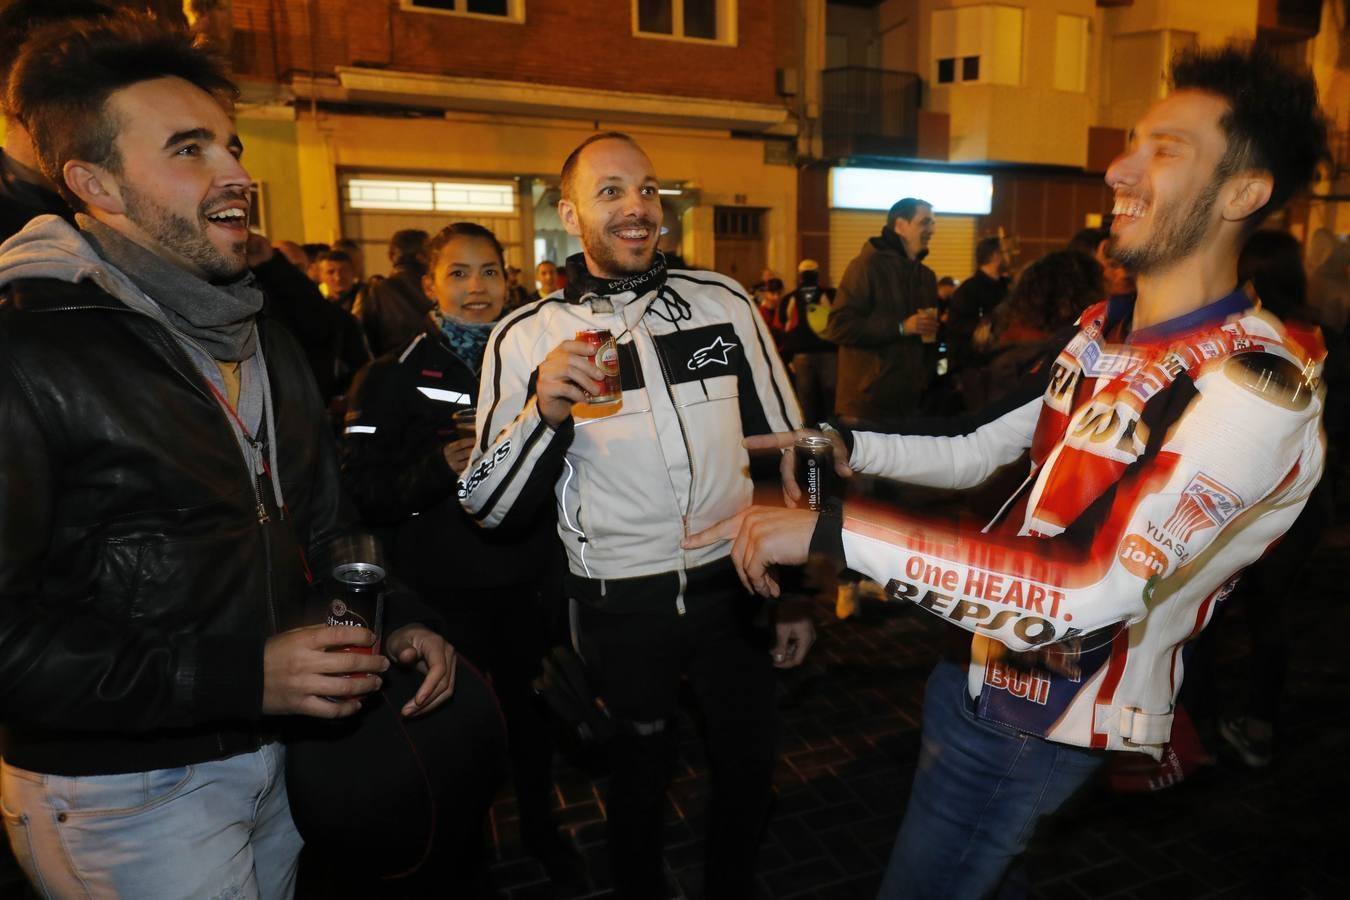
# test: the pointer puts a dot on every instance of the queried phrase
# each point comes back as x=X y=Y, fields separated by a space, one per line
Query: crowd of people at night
x=302 y=564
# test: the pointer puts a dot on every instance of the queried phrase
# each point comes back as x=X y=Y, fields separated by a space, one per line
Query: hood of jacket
x=50 y=247
x=888 y=243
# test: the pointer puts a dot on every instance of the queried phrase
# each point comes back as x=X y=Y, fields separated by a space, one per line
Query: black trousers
x=636 y=661
x=505 y=633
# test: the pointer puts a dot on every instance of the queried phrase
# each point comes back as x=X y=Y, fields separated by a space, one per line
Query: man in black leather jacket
x=165 y=475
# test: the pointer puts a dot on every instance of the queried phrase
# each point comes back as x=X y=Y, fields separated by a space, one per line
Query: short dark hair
x=463 y=230
x=347 y=245
x=1087 y=240
x=407 y=244
x=314 y=251
x=22 y=17
x=905 y=209
x=336 y=256
x=569 y=167
x=986 y=249
x=544 y=262
x=1273 y=122
x=945 y=280
x=65 y=73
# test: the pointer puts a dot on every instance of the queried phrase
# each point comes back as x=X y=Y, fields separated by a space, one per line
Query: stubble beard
x=183 y=237
x=1177 y=234
x=596 y=241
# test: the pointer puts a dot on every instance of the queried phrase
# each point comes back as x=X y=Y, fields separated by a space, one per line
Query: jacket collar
x=889 y=240
x=582 y=285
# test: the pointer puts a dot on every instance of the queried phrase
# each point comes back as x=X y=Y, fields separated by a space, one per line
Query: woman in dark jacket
x=402 y=458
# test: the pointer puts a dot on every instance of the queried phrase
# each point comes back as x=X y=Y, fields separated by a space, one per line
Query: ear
x=429 y=288
x=1250 y=192
x=567 y=211
x=94 y=185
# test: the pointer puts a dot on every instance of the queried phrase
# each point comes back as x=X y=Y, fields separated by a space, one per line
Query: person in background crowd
x=356 y=254
x=1087 y=240
x=402 y=456
x=394 y=310
x=330 y=337
x=313 y=251
x=24 y=191
x=804 y=314
x=885 y=308
x=884 y=321
x=1176 y=437
x=545 y=279
x=516 y=295
x=166 y=469
x=294 y=254
x=946 y=286
x=337 y=279
x=768 y=300
x=758 y=288
x=1027 y=329
x=976 y=298
x=697 y=371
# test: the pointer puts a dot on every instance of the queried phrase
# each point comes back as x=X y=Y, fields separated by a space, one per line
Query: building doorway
x=739 y=249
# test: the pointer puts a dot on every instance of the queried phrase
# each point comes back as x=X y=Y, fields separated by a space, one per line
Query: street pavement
x=850 y=740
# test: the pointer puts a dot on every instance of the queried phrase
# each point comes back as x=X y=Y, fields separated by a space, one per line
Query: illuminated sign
x=877 y=189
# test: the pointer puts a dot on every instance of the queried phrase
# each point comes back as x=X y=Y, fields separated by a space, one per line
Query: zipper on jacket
x=689 y=457
x=260 y=509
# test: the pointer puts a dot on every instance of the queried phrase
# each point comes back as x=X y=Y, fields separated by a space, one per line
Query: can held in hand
x=815 y=468
x=357 y=599
x=607 y=361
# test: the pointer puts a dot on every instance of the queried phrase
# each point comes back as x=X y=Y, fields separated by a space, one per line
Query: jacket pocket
x=168 y=582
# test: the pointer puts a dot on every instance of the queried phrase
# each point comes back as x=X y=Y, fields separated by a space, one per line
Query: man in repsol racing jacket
x=632 y=478
x=1174 y=438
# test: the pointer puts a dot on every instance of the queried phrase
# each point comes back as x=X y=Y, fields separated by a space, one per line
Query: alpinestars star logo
x=713 y=354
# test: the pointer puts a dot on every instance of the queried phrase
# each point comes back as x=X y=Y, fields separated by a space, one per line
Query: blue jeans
x=979 y=791
x=219 y=829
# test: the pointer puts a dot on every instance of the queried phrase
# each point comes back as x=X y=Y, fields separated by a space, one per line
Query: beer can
x=607 y=361
x=815 y=468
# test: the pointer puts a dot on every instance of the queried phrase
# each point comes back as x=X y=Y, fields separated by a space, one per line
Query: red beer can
x=607 y=361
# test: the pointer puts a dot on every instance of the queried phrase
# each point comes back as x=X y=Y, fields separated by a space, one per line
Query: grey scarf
x=221 y=318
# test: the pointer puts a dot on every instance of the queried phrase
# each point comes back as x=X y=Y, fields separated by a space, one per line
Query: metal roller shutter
x=951 y=252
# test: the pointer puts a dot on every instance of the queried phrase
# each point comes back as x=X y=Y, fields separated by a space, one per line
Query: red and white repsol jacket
x=1160 y=467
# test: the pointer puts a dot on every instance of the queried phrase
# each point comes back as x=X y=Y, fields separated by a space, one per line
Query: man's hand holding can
x=567 y=375
x=785 y=442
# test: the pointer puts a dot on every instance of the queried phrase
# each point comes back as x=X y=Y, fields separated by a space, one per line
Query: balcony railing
x=870 y=112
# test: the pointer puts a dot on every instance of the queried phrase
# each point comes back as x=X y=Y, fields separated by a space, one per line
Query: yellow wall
x=710 y=162
x=1018 y=124
x=1213 y=21
x=269 y=156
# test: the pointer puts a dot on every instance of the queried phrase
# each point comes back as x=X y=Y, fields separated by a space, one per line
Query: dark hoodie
x=882 y=374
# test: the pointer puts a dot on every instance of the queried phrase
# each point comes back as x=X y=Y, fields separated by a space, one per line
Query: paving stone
x=802 y=877
x=849 y=743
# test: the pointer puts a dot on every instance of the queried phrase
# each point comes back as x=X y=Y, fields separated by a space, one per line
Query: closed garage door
x=951 y=252
x=375 y=205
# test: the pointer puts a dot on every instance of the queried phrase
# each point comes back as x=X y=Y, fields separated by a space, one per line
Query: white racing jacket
x=1081 y=605
x=698 y=370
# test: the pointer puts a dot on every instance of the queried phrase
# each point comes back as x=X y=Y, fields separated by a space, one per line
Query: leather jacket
x=142 y=566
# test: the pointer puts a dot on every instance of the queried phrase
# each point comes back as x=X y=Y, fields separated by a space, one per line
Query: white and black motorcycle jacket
x=698 y=371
